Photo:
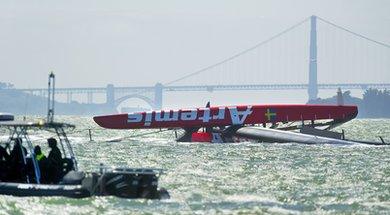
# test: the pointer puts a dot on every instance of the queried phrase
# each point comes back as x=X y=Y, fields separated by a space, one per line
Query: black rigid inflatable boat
x=120 y=182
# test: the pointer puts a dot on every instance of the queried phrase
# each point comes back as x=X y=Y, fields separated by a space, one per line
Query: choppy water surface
x=231 y=178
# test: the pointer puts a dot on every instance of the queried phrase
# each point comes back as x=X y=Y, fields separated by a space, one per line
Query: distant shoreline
x=375 y=104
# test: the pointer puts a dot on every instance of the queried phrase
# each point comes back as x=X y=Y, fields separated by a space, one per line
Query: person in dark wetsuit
x=55 y=162
x=17 y=162
x=4 y=156
x=4 y=164
x=42 y=163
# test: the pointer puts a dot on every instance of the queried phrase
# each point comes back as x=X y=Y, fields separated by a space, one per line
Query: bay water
x=233 y=178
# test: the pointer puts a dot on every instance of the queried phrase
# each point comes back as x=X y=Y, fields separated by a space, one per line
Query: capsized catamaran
x=265 y=123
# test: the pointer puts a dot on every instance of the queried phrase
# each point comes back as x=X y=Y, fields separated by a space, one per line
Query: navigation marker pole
x=50 y=98
x=90 y=135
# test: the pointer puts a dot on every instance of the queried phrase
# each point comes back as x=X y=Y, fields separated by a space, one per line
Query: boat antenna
x=50 y=98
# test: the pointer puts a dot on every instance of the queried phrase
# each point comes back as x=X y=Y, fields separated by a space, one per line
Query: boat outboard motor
x=121 y=185
x=6 y=117
x=127 y=184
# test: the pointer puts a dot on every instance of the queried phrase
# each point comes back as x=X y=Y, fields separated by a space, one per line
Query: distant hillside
x=20 y=103
x=375 y=103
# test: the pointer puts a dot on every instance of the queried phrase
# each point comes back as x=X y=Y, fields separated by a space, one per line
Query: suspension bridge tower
x=313 y=88
x=158 y=96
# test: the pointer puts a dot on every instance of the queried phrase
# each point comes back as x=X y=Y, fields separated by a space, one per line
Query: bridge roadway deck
x=210 y=88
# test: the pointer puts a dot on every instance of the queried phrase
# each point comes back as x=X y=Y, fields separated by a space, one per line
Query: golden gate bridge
x=313 y=54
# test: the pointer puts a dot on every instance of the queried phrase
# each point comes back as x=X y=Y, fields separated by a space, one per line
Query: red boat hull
x=225 y=116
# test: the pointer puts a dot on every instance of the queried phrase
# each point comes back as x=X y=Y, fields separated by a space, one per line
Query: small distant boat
x=114 y=140
x=6 y=117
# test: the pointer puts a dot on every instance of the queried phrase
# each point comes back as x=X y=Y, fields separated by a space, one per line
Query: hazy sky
x=127 y=43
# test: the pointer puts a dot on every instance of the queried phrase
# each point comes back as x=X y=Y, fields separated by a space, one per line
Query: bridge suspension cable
x=238 y=54
x=348 y=57
x=295 y=71
x=351 y=32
